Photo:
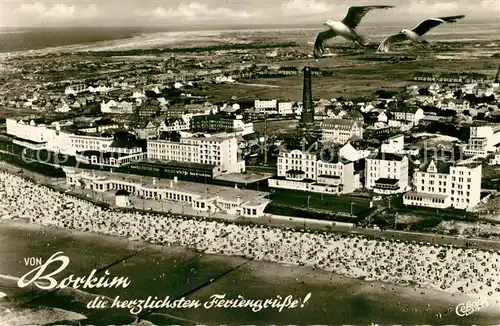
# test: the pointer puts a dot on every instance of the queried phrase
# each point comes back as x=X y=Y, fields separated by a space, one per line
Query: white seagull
x=345 y=28
x=415 y=35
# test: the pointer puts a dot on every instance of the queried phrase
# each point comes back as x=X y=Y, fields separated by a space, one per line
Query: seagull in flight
x=415 y=35
x=345 y=28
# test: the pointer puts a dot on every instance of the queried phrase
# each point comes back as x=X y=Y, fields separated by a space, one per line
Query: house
x=62 y=107
x=382 y=117
x=122 y=198
x=100 y=126
x=75 y=89
x=336 y=112
x=173 y=124
x=114 y=107
x=76 y=105
x=423 y=77
x=82 y=100
x=406 y=113
x=101 y=88
x=454 y=104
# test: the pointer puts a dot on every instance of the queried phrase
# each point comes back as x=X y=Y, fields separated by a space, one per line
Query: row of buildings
x=386 y=171
x=217 y=151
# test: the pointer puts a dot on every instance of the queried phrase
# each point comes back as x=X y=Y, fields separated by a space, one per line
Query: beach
x=37 y=224
x=160 y=270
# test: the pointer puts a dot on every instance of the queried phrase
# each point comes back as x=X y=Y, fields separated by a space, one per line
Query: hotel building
x=440 y=184
x=386 y=173
x=340 y=131
x=220 y=151
x=303 y=171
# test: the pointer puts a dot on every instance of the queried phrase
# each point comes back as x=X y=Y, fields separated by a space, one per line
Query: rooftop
x=387 y=181
x=183 y=164
x=246 y=178
x=341 y=122
x=387 y=157
x=441 y=166
x=201 y=189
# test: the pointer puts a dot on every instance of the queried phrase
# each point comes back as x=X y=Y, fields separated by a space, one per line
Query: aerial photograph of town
x=325 y=162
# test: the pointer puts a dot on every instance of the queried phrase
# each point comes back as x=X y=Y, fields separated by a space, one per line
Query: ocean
x=176 y=272
x=28 y=39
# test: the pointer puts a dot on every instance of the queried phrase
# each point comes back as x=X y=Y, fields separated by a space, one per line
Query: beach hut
x=121 y=198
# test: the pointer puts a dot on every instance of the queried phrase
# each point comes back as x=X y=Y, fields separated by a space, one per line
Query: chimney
x=307 y=101
x=175 y=180
x=171 y=184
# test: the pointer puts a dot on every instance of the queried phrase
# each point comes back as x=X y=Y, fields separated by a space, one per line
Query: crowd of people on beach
x=455 y=270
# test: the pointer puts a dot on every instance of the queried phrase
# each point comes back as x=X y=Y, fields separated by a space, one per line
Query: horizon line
x=229 y=25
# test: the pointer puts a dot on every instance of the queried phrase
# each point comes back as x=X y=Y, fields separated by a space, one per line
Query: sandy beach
x=334 y=298
x=436 y=278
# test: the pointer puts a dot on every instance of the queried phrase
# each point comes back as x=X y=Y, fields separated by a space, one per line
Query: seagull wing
x=386 y=44
x=355 y=14
x=430 y=23
x=320 y=40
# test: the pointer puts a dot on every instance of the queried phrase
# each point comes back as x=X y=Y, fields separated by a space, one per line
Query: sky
x=50 y=13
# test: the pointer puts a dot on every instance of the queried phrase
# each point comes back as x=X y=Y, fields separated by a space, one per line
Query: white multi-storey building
x=38 y=137
x=439 y=184
x=266 y=106
x=302 y=171
x=482 y=140
x=286 y=108
x=386 y=173
x=242 y=128
x=80 y=143
x=409 y=114
x=220 y=151
x=114 y=107
x=341 y=130
x=75 y=89
x=495 y=160
x=349 y=153
x=51 y=138
x=394 y=145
